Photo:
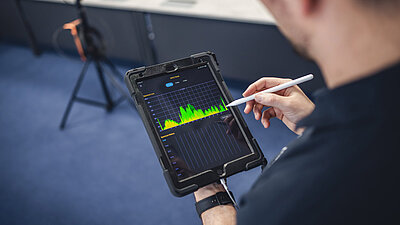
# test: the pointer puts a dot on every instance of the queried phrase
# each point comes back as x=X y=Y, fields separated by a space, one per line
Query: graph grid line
x=167 y=108
x=207 y=147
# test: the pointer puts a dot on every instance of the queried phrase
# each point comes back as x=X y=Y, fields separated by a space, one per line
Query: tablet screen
x=197 y=130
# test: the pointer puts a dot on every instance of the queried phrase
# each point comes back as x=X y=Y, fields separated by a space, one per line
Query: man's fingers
x=257 y=111
x=266 y=116
x=272 y=100
x=265 y=119
x=249 y=106
x=262 y=84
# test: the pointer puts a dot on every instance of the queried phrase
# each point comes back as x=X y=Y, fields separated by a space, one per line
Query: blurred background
x=101 y=168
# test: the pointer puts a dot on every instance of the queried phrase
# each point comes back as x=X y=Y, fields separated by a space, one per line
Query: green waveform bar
x=190 y=114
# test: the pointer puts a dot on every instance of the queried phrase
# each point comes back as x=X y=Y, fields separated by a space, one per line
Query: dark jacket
x=344 y=169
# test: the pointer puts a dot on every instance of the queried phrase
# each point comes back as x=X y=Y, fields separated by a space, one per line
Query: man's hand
x=219 y=215
x=289 y=105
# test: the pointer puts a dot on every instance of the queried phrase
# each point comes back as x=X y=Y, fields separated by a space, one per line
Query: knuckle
x=263 y=80
x=257 y=81
x=271 y=99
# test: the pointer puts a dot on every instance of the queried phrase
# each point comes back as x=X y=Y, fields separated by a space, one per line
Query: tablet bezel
x=191 y=184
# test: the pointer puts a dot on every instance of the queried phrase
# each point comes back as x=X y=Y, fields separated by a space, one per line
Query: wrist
x=208 y=191
x=212 y=204
x=222 y=214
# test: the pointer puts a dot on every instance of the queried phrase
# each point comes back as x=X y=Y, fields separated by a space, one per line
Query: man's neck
x=366 y=47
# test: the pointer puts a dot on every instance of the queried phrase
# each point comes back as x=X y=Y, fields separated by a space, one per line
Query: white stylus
x=273 y=89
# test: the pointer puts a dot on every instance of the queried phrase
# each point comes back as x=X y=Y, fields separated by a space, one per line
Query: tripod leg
x=112 y=67
x=106 y=92
x=31 y=35
x=74 y=93
x=116 y=84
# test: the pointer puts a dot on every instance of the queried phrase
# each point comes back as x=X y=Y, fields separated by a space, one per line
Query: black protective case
x=191 y=184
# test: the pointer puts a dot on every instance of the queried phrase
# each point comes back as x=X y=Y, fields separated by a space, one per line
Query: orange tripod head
x=74 y=32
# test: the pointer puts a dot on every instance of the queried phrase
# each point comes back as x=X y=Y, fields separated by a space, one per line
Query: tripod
x=94 y=54
x=31 y=36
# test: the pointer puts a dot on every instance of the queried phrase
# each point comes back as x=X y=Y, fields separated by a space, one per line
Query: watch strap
x=220 y=198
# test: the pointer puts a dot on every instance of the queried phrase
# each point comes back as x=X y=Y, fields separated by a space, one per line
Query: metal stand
x=31 y=36
x=95 y=55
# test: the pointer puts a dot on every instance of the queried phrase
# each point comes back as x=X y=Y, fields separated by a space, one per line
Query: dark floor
x=102 y=168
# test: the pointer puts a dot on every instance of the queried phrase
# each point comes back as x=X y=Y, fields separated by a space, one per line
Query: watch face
x=224 y=198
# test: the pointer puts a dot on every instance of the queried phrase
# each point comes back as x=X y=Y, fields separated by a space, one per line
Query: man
x=343 y=169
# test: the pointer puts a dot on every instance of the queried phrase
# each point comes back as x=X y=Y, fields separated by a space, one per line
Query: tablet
x=197 y=139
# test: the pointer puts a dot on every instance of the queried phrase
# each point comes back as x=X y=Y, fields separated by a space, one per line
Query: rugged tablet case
x=179 y=188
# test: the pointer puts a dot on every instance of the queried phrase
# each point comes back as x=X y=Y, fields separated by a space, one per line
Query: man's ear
x=310 y=7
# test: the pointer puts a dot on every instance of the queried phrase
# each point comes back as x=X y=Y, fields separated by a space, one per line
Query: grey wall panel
x=46 y=18
x=118 y=27
x=245 y=51
x=11 y=27
x=121 y=31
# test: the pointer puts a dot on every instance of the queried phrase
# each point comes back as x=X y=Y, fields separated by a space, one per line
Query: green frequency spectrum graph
x=190 y=114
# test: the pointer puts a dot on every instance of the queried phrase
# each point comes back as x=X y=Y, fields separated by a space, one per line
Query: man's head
x=322 y=29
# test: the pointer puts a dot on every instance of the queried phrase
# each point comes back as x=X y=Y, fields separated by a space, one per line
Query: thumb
x=270 y=99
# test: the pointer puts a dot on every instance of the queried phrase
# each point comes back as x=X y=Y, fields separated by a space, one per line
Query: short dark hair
x=383 y=7
x=380 y=3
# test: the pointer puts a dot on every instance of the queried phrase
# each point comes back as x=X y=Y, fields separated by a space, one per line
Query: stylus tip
x=231 y=104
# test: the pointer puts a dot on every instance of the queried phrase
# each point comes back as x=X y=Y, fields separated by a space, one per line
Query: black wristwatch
x=221 y=198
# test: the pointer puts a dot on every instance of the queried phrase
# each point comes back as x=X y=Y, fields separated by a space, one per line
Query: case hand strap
x=221 y=198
